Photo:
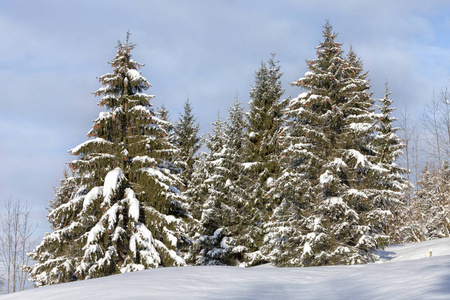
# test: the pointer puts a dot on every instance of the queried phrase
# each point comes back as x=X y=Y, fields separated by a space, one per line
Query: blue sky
x=52 y=51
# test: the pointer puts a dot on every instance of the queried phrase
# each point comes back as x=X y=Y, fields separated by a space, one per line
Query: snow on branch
x=77 y=149
x=112 y=181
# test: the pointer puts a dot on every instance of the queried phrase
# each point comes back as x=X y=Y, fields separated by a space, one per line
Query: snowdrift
x=403 y=272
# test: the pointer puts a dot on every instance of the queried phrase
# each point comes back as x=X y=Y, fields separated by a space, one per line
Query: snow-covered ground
x=403 y=272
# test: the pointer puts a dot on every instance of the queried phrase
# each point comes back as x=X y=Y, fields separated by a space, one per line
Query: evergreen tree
x=328 y=190
x=66 y=190
x=188 y=141
x=197 y=189
x=265 y=119
x=247 y=234
x=196 y=195
x=215 y=213
x=230 y=223
x=163 y=114
x=236 y=129
x=391 y=181
x=57 y=256
x=126 y=216
x=389 y=145
x=169 y=138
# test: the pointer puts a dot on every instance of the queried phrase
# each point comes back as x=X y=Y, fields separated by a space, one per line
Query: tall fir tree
x=391 y=180
x=188 y=141
x=215 y=213
x=196 y=195
x=265 y=119
x=247 y=233
x=231 y=233
x=329 y=189
x=127 y=214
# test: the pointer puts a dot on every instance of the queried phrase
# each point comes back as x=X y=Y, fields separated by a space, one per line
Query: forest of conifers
x=297 y=181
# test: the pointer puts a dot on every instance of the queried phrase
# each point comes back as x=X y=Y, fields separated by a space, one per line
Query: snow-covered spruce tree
x=213 y=250
x=188 y=141
x=290 y=222
x=391 y=181
x=230 y=223
x=329 y=191
x=68 y=186
x=192 y=172
x=169 y=138
x=265 y=119
x=163 y=114
x=56 y=254
x=196 y=194
x=247 y=234
x=236 y=129
x=126 y=215
x=197 y=189
x=434 y=201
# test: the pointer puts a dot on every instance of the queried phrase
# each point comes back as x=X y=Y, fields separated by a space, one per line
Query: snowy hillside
x=404 y=272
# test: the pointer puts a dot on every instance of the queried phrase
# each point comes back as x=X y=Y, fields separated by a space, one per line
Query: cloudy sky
x=52 y=51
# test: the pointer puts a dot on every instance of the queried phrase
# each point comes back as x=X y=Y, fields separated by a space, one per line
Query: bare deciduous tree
x=436 y=122
x=409 y=212
x=444 y=100
x=409 y=136
x=427 y=204
x=15 y=241
x=432 y=125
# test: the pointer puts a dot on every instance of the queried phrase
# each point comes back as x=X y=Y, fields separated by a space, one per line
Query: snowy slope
x=415 y=250
x=406 y=272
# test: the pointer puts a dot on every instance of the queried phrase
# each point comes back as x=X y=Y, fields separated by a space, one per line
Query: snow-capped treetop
x=187 y=139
